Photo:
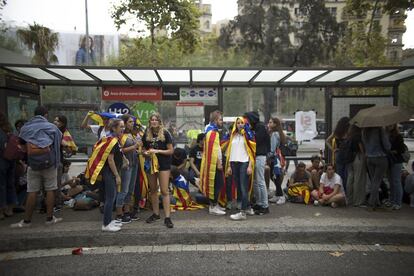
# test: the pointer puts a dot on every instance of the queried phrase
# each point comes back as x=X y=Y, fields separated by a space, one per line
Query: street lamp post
x=87 y=33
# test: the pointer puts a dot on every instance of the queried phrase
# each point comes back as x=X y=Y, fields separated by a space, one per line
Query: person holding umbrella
x=376 y=143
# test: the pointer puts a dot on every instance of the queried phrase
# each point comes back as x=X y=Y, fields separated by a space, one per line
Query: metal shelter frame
x=212 y=76
x=220 y=77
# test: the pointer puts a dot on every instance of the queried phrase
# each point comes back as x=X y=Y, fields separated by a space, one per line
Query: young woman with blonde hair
x=158 y=147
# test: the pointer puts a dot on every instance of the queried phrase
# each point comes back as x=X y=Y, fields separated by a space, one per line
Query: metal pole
x=328 y=120
x=395 y=95
x=87 y=33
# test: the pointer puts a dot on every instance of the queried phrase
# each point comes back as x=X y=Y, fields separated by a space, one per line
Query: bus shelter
x=164 y=82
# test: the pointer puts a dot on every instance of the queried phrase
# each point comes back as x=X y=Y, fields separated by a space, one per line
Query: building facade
x=391 y=25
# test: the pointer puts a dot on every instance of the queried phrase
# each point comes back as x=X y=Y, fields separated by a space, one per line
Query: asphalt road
x=217 y=263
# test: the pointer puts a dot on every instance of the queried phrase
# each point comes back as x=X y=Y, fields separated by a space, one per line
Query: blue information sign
x=119 y=108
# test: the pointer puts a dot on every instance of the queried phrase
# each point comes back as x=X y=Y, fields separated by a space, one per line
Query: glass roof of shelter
x=212 y=77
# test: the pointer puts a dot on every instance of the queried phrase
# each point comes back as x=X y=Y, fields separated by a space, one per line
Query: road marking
x=16 y=255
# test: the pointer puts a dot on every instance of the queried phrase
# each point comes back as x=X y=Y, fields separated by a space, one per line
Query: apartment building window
x=207 y=24
x=377 y=12
x=332 y=11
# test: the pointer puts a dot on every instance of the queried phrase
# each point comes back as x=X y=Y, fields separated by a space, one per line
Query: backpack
x=346 y=153
x=406 y=154
x=289 y=149
x=13 y=150
x=40 y=158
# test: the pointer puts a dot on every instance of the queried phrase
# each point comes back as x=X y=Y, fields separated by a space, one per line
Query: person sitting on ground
x=300 y=185
x=70 y=186
x=179 y=160
x=331 y=191
x=196 y=154
x=316 y=170
x=181 y=198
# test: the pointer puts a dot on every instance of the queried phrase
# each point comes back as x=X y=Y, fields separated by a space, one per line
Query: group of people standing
x=239 y=159
x=364 y=157
x=228 y=167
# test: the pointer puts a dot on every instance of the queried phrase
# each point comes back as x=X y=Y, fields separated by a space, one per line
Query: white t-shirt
x=238 y=152
x=331 y=182
x=95 y=130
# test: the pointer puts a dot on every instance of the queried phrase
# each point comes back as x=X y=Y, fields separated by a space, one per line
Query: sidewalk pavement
x=289 y=223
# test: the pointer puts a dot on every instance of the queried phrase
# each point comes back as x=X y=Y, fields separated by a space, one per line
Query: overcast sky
x=69 y=15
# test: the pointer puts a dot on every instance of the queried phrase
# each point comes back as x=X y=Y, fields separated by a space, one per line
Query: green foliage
x=360 y=48
x=9 y=43
x=137 y=52
x=43 y=41
x=179 y=18
x=263 y=29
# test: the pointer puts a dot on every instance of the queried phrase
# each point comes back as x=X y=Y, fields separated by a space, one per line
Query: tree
x=178 y=18
x=43 y=41
x=264 y=28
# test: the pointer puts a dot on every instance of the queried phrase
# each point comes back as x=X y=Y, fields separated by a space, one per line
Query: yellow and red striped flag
x=100 y=154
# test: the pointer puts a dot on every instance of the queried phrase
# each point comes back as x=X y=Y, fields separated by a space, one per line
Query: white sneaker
x=250 y=212
x=216 y=211
x=53 y=221
x=273 y=199
x=20 y=224
x=110 y=228
x=281 y=200
x=220 y=208
x=316 y=203
x=116 y=223
x=239 y=216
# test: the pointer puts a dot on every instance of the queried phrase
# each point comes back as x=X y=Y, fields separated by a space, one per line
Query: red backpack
x=13 y=149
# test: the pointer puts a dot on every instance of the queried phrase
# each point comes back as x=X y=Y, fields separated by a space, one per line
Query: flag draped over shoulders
x=67 y=141
x=181 y=194
x=249 y=142
x=209 y=160
x=100 y=154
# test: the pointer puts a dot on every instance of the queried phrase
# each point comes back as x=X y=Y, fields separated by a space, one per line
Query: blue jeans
x=133 y=180
x=260 y=190
x=7 y=187
x=218 y=184
x=125 y=182
x=341 y=169
x=110 y=195
x=239 y=172
x=396 y=193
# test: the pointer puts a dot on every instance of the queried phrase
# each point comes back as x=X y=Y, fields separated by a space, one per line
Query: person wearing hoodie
x=262 y=149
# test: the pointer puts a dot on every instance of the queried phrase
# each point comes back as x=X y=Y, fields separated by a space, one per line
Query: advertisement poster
x=20 y=108
x=190 y=116
x=305 y=125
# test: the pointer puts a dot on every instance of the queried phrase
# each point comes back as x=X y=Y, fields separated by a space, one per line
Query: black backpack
x=346 y=153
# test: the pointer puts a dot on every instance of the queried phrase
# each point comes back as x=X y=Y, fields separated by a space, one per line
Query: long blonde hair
x=160 y=135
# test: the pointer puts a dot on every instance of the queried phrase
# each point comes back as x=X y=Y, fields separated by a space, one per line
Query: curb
x=132 y=237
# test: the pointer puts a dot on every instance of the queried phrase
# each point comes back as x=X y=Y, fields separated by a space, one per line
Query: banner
x=305 y=125
x=207 y=96
x=136 y=93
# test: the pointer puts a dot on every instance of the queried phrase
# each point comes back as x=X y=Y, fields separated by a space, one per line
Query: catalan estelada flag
x=98 y=117
x=181 y=194
x=100 y=154
x=67 y=141
x=209 y=161
x=250 y=144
